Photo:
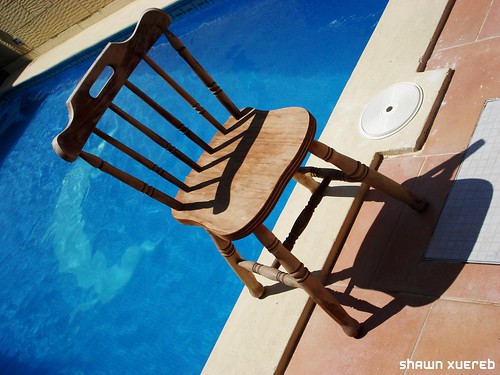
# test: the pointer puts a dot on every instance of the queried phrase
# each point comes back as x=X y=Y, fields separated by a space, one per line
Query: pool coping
x=260 y=335
x=92 y=34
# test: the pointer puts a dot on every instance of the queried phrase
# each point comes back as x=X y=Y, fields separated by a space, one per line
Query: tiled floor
x=413 y=309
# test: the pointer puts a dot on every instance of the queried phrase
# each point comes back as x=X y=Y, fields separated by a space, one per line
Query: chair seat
x=240 y=182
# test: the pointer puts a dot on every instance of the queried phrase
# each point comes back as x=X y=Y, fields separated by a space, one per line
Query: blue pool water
x=98 y=279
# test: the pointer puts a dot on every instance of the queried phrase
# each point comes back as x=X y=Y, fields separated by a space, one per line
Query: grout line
x=484 y=20
x=388 y=243
x=384 y=254
x=472 y=301
x=420 y=333
x=419 y=173
x=467 y=44
x=419 y=154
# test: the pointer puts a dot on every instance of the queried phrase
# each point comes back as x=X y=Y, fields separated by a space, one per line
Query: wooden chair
x=235 y=183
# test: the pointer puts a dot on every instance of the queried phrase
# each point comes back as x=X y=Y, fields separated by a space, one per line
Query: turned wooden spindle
x=232 y=257
x=269 y=272
x=185 y=95
x=361 y=173
x=155 y=137
x=308 y=282
x=169 y=117
x=305 y=216
x=141 y=159
x=203 y=75
x=130 y=180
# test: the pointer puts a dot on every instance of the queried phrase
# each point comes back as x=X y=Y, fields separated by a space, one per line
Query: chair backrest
x=110 y=75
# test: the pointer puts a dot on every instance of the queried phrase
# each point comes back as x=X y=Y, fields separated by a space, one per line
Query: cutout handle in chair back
x=85 y=111
x=110 y=73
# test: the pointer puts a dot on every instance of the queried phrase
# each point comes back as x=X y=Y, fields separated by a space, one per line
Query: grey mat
x=469 y=226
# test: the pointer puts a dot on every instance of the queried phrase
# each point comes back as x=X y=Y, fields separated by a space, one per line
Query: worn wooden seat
x=247 y=184
x=232 y=187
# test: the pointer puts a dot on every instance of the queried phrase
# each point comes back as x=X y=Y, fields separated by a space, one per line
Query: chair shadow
x=368 y=264
x=235 y=159
x=405 y=274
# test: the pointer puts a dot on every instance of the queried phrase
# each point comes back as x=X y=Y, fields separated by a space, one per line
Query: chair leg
x=308 y=282
x=362 y=173
x=232 y=257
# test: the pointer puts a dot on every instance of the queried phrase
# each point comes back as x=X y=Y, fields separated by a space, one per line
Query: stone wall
x=31 y=27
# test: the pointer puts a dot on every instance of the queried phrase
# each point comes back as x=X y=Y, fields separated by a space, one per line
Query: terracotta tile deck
x=413 y=309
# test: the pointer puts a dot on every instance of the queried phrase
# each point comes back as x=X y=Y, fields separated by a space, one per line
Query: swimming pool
x=94 y=277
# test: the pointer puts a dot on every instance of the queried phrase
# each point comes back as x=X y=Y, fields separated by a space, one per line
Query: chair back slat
x=169 y=117
x=98 y=92
x=130 y=180
x=203 y=75
x=141 y=159
x=155 y=137
x=85 y=110
x=185 y=95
